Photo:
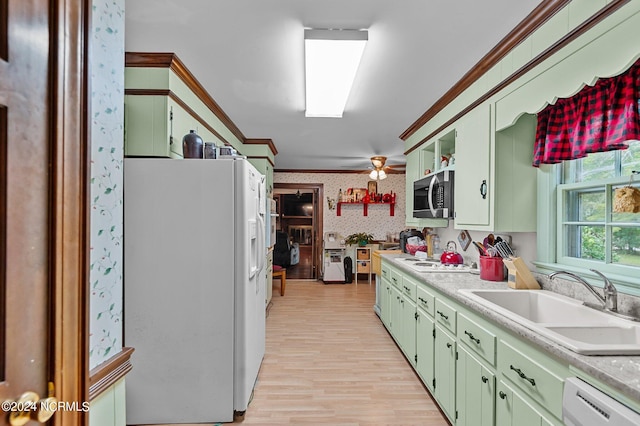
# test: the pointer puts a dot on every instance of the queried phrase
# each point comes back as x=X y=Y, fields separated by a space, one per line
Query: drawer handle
x=475 y=339
x=443 y=315
x=502 y=395
x=448 y=345
x=522 y=375
x=484 y=379
x=394 y=280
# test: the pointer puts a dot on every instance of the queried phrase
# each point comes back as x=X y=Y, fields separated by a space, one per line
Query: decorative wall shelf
x=365 y=207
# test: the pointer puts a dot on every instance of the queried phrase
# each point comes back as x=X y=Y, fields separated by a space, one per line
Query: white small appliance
x=333 y=258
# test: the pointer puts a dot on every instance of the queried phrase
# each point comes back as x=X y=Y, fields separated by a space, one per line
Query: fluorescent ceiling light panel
x=331 y=62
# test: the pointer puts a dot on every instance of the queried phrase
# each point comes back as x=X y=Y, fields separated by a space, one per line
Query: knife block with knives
x=519 y=276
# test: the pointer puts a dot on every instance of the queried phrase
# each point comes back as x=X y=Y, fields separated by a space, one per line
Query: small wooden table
x=280 y=272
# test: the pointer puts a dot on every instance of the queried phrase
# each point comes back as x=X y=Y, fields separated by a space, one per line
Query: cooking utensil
x=504 y=249
x=489 y=241
x=480 y=248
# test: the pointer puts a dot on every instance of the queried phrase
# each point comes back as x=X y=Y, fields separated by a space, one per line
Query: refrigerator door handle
x=254 y=247
x=262 y=249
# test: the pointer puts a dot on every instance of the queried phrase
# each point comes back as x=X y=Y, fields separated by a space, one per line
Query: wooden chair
x=280 y=272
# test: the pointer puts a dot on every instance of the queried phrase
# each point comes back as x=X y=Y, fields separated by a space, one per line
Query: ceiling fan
x=380 y=171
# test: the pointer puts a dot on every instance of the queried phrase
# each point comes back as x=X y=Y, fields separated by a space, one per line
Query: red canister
x=491 y=268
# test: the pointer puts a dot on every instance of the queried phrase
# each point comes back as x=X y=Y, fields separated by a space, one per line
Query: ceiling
x=248 y=54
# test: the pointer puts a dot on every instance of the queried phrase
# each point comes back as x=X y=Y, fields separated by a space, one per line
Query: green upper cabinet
x=473 y=169
x=495 y=187
x=155 y=126
x=164 y=102
x=493 y=107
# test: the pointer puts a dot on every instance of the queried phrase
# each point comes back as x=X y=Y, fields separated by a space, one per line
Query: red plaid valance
x=599 y=118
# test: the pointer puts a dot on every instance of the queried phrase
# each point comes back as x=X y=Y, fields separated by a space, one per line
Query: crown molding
x=171 y=61
x=541 y=14
x=561 y=43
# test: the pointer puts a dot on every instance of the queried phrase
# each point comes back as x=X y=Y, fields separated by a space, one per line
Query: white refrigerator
x=194 y=288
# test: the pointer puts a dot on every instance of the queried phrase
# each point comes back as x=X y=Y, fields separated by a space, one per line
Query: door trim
x=318 y=218
x=69 y=205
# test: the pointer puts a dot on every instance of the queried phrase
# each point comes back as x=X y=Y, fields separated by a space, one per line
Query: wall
x=107 y=134
x=378 y=222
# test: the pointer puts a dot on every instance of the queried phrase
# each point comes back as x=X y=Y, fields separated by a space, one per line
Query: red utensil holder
x=491 y=268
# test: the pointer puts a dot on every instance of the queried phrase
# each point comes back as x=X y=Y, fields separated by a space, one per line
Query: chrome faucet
x=610 y=299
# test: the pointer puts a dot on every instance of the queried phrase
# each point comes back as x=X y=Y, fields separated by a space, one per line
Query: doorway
x=300 y=214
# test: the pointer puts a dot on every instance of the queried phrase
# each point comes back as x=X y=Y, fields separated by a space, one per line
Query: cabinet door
x=147 y=126
x=424 y=348
x=445 y=372
x=385 y=297
x=409 y=329
x=512 y=409
x=473 y=151
x=396 y=315
x=475 y=391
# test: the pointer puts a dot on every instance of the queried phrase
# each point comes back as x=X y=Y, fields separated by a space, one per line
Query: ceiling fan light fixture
x=378 y=161
x=332 y=58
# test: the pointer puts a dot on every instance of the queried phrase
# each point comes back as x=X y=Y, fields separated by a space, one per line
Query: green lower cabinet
x=475 y=391
x=408 y=329
x=385 y=297
x=514 y=409
x=425 y=340
x=445 y=372
x=395 y=309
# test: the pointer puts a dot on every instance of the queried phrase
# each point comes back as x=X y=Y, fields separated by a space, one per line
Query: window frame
x=552 y=208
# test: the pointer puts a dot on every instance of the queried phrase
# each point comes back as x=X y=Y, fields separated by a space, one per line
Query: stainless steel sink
x=564 y=320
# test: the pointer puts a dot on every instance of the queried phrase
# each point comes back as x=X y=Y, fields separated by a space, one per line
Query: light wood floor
x=329 y=361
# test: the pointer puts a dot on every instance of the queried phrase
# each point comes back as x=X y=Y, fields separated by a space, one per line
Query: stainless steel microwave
x=433 y=196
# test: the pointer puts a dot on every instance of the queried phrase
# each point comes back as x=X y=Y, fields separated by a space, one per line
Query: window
x=589 y=233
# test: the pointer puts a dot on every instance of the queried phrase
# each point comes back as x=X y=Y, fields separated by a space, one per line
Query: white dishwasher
x=584 y=405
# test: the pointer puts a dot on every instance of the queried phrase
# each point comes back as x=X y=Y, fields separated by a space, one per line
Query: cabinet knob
x=484 y=379
x=502 y=395
x=449 y=345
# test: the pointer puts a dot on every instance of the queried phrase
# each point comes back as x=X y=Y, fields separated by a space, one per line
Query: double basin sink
x=564 y=320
